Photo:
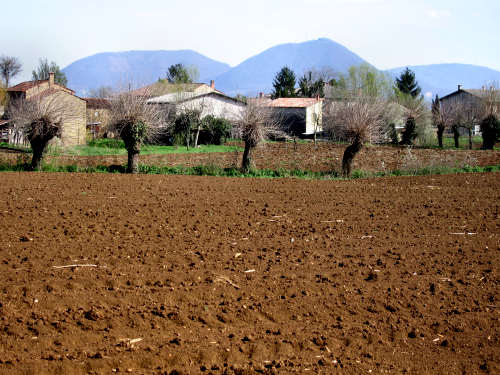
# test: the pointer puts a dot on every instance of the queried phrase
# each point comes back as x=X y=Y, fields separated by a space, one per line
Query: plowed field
x=157 y=274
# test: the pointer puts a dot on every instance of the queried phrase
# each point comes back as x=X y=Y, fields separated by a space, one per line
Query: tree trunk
x=456 y=136
x=349 y=154
x=470 y=138
x=197 y=135
x=36 y=161
x=246 y=163
x=188 y=135
x=133 y=161
x=440 y=132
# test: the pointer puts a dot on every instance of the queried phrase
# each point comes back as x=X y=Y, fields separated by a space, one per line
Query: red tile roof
x=294 y=102
x=25 y=86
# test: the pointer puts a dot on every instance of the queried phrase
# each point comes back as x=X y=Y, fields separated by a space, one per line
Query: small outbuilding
x=300 y=117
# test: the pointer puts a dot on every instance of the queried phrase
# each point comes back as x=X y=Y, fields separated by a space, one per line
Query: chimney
x=51 y=79
x=212 y=84
x=459 y=87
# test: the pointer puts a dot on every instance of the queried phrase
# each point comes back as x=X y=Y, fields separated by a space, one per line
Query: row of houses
x=90 y=116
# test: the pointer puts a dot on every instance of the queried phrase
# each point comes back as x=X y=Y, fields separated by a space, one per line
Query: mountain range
x=256 y=74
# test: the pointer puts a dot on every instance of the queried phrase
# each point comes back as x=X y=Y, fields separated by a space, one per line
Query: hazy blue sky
x=387 y=33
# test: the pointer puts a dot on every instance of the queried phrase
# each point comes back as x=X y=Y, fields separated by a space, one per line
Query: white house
x=212 y=103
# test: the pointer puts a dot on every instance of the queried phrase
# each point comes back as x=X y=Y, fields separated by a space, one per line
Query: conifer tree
x=284 y=83
x=407 y=84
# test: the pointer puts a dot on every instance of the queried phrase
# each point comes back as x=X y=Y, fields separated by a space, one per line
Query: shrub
x=218 y=129
x=490 y=130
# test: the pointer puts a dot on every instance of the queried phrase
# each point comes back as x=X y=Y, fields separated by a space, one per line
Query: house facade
x=300 y=117
x=73 y=108
x=212 y=103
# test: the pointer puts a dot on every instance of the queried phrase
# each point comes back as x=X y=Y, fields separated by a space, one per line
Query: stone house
x=74 y=108
x=300 y=117
x=98 y=117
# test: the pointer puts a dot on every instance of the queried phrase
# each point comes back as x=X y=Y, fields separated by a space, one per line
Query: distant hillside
x=257 y=73
x=443 y=79
x=139 y=67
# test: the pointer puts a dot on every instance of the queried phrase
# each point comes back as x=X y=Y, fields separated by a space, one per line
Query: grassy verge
x=211 y=170
x=104 y=147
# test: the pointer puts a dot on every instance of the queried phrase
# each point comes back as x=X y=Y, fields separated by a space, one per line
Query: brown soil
x=219 y=275
x=305 y=156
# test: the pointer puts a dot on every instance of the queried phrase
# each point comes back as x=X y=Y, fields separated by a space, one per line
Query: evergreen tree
x=490 y=130
x=407 y=84
x=43 y=70
x=310 y=88
x=410 y=132
x=284 y=83
x=178 y=73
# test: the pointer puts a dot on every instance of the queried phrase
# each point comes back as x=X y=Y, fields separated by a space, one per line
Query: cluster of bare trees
x=465 y=111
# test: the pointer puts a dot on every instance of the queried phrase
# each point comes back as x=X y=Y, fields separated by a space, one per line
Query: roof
x=4 y=122
x=479 y=93
x=97 y=103
x=25 y=86
x=182 y=97
x=165 y=87
x=48 y=92
x=294 y=102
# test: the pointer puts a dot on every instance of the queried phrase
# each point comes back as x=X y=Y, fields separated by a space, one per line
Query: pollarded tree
x=40 y=120
x=44 y=69
x=359 y=114
x=357 y=120
x=407 y=84
x=256 y=123
x=284 y=83
x=135 y=121
x=9 y=68
x=437 y=120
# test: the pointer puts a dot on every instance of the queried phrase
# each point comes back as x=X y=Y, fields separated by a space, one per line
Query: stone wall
x=73 y=110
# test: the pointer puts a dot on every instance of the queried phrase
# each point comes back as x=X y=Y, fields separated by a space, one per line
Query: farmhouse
x=300 y=116
x=74 y=121
x=208 y=101
x=472 y=99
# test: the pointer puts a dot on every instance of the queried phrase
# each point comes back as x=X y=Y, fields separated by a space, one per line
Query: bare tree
x=256 y=123
x=40 y=119
x=356 y=120
x=102 y=92
x=135 y=121
x=9 y=68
